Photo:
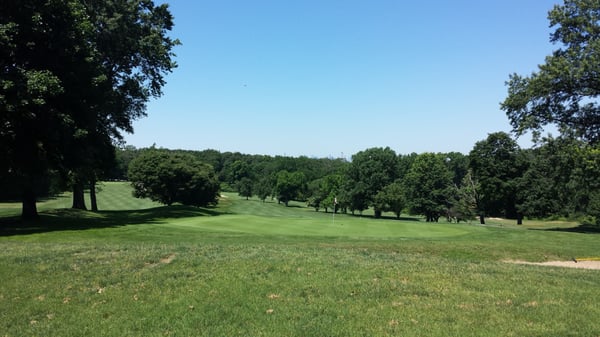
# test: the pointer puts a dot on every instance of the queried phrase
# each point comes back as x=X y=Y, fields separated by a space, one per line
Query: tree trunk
x=78 y=197
x=29 y=210
x=481 y=219
x=93 y=199
x=377 y=213
x=519 y=219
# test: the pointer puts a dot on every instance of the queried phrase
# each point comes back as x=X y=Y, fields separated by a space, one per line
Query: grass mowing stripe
x=117 y=196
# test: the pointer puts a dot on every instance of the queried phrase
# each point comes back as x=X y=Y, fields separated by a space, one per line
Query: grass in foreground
x=253 y=269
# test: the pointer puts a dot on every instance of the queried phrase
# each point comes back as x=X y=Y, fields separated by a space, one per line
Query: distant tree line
x=558 y=178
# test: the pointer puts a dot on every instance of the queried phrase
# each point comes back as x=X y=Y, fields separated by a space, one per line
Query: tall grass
x=253 y=269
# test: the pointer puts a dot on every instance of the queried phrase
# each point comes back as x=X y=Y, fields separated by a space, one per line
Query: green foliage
x=325 y=191
x=264 y=188
x=497 y=164
x=564 y=89
x=554 y=179
x=562 y=179
x=74 y=75
x=391 y=199
x=169 y=178
x=428 y=186
x=465 y=199
x=290 y=186
x=245 y=187
x=369 y=172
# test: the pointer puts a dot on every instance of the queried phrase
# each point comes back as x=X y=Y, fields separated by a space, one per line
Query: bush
x=168 y=178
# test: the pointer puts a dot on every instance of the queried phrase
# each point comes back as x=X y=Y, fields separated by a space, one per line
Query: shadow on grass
x=584 y=229
x=383 y=217
x=73 y=219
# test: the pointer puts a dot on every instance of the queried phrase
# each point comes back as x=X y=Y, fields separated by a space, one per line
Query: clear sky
x=323 y=78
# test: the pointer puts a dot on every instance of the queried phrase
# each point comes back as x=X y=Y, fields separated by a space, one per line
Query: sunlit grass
x=254 y=269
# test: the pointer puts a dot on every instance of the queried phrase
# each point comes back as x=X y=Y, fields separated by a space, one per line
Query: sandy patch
x=168 y=259
x=165 y=260
x=568 y=264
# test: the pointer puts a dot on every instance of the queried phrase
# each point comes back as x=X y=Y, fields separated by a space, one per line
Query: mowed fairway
x=248 y=268
x=269 y=218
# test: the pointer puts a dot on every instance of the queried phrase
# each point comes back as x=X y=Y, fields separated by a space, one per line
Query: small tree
x=169 y=178
x=244 y=187
x=264 y=188
x=466 y=199
x=390 y=199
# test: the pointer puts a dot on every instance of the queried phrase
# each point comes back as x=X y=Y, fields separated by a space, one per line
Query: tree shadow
x=383 y=217
x=72 y=219
x=583 y=229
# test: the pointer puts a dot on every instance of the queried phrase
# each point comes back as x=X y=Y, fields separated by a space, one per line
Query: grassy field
x=112 y=195
x=248 y=268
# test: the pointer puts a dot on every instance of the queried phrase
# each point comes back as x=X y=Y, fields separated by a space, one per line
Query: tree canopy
x=169 y=177
x=73 y=75
x=564 y=90
x=496 y=164
x=427 y=186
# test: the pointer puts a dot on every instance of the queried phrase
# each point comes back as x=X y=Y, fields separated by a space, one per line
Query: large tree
x=497 y=164
x=72 y=71
x=369 y=172
x=563 y=179
x=427 y=186
x=38 y=42
x=564 y=90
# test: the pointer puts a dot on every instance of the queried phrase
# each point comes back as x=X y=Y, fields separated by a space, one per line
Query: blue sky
x=323 y=78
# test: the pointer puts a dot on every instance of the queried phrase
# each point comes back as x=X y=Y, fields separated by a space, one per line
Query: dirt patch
x=168 y=259
x=165 y=260
x=567 y=264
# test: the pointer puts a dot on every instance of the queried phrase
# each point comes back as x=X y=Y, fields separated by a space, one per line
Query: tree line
x=557 y=178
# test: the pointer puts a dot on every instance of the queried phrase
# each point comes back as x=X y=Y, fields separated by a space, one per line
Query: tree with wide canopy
x=74 y=74
x=564 y=91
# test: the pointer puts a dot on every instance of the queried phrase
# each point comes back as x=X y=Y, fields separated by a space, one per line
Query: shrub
x=168 y=178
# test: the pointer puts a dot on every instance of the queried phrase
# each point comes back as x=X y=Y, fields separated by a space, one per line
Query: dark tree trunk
x=29 y=210
x=481 y=219
x=93 y=199
x=378 y=213
x=519 y=219
x=78 y=196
